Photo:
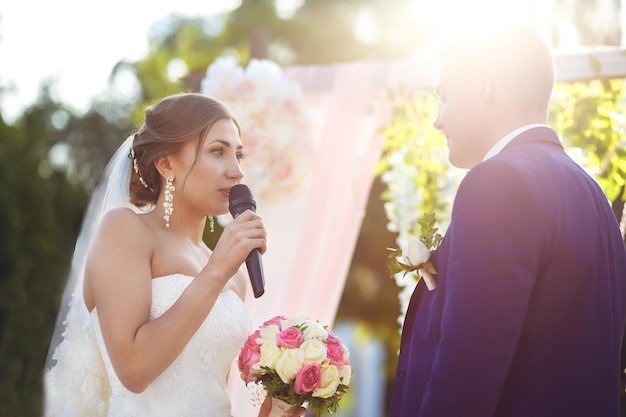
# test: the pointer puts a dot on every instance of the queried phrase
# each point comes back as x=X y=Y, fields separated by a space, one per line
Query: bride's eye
x=218 y=151
x=240 y=156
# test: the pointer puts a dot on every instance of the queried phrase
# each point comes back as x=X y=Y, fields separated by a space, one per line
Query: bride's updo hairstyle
x=169 y=124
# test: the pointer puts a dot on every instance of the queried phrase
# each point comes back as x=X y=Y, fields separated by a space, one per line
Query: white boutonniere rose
x=415 y=254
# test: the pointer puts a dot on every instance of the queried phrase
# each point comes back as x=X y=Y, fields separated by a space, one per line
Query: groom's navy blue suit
x=528 y=315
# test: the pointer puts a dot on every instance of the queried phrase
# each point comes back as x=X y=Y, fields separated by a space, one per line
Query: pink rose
x=275 y=320
x=244 y=88
x=291 y=338
x=332 y=339
x=335 y=353
x=254 y=336
x=308 y=379
x=291 y=109
x=250 y=140
x=282 y=169
x=334 y=349
x=250 y=355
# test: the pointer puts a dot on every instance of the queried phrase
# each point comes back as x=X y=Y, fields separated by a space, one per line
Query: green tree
x=40 y=214
x=589 y=116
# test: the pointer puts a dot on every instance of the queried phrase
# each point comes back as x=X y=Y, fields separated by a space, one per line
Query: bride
x=152 y=318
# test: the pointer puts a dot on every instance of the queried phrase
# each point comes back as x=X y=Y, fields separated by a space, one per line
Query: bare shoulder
x=118 y=260
x=120 y=230
x=122 y=217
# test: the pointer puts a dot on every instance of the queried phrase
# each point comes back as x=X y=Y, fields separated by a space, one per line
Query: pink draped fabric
x=311 y=238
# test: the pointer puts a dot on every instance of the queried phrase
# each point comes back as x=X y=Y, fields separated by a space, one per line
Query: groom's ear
x=488 y=84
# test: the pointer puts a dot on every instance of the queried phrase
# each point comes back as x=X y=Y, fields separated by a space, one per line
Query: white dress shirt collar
x=495 y=149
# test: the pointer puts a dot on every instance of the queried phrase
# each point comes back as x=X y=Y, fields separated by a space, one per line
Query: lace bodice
x=195 y=383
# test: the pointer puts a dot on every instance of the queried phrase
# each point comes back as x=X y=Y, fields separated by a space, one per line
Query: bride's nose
x=234 y=171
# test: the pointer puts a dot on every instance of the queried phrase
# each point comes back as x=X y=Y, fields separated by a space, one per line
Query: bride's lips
x=226 y=191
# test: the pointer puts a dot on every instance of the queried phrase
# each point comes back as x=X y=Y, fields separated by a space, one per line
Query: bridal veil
x=75 y=380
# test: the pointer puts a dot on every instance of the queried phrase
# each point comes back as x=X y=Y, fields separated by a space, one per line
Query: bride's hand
x=292 y=412
x=238 y=239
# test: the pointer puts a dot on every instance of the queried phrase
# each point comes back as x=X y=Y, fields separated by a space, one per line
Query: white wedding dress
x=194 y=385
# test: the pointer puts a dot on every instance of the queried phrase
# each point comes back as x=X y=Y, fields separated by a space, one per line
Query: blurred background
x=75 y=77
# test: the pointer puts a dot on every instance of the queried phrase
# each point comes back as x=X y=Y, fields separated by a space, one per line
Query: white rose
x=315 y=330
x=268 y=333
x=330 y=381
x=415 y=252
x=289 y=364
x=313 y=350
x=345 y=373
x=291 y=322
x=270 y=353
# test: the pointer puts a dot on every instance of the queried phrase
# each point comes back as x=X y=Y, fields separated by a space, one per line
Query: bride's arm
x=118 y=279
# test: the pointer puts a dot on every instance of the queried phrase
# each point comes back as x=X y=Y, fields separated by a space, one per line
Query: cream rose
x=294 y=321
x=345 y=374
x=315 y=331
x=268 y=333
x=289 y=364
x=270 y=353
x=313 y=351
x=329 y=383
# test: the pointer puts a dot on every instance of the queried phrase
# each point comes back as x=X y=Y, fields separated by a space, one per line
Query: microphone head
x=240 y=199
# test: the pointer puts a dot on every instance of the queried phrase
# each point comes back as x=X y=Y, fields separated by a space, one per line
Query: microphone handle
x=255 y=272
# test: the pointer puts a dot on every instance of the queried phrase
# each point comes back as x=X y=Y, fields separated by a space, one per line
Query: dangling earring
x=211 y=224
x=169 y=197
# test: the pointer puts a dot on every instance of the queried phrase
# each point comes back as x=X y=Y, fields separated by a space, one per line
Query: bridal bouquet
x=297 y=361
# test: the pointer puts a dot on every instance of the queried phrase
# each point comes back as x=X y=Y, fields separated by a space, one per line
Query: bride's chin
x=220 y=212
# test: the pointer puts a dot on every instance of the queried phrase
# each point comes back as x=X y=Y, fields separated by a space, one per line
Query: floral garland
x=276 y=129
x=403 y=199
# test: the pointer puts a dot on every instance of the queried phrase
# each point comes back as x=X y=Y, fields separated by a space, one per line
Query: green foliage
x=275 y=387
x=303 y=37
x=591 y=116
x=411 y=132
x=40 y=214
x=429 y=234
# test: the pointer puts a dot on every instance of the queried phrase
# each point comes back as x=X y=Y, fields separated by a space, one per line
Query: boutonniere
x=415 y=254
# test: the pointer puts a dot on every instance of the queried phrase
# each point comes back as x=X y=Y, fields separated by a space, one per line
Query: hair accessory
x=133 y=156
x=211 y=224
x=169 y=198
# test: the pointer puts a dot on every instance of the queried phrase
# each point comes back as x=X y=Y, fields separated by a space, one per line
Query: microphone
x=239 y=200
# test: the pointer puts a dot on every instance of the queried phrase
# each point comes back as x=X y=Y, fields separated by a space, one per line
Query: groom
x=528 y=314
